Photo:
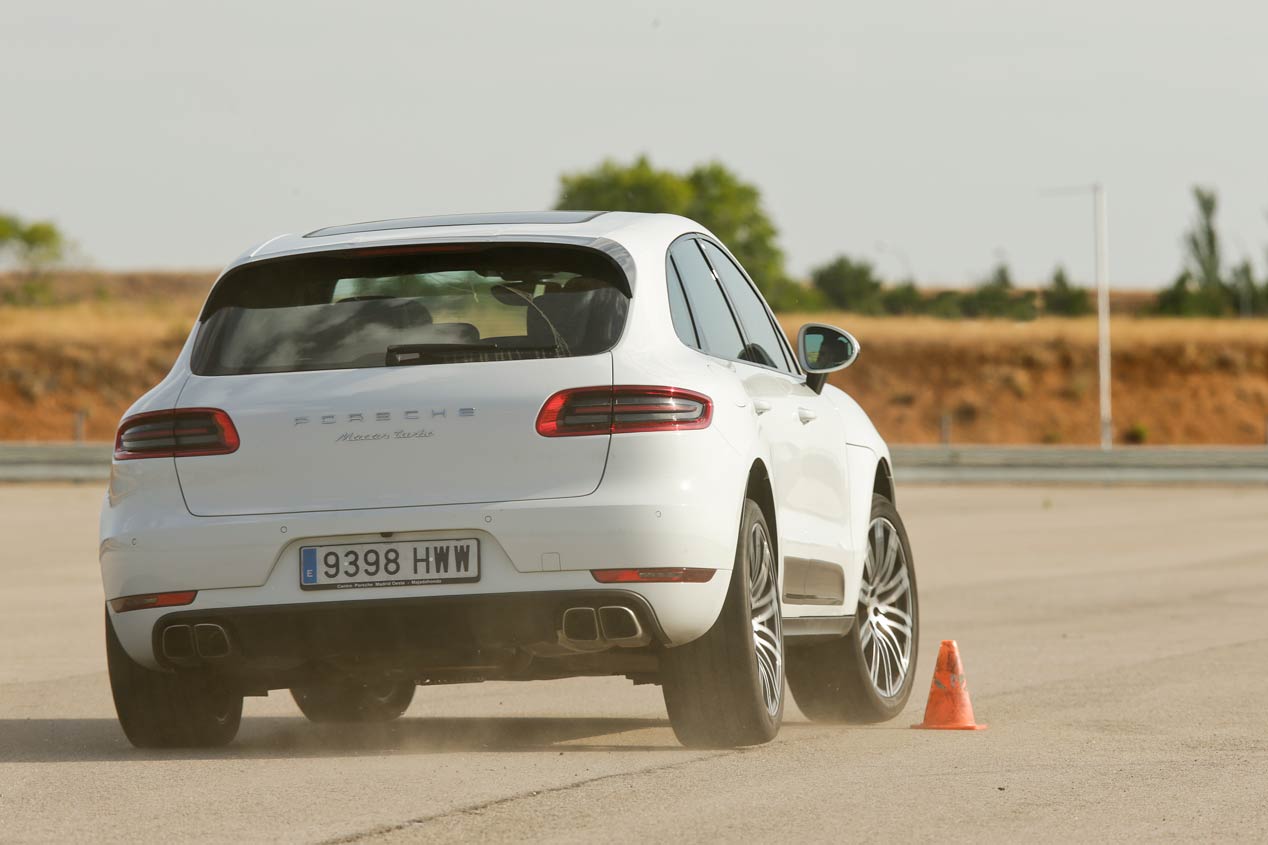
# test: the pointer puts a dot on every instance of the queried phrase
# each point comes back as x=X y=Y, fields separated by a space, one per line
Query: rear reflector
x=621 y=409
x=127 y=603
x=183 y=432
x=659 y=575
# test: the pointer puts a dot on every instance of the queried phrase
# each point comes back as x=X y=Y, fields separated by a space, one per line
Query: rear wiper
x=406 y=354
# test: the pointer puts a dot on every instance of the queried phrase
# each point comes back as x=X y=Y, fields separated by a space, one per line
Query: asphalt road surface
x=1114 y=639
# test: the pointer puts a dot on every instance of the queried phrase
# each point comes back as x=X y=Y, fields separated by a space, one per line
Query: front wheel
x=353 y=701
x=726 y=688
x=866 y=676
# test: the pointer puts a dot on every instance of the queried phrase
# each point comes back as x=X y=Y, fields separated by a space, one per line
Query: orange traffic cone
x=949 y=708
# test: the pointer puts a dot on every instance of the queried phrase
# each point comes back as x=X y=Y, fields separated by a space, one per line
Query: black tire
x=713 y=686
x=352 y=701
x=832 y=681
x=170 y=709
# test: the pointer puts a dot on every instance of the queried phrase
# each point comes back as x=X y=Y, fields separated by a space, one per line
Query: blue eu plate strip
x=308 y=566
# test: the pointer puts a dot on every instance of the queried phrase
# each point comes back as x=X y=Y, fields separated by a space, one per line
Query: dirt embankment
x=106 y=339
x=87 y=343
x=1174 y=381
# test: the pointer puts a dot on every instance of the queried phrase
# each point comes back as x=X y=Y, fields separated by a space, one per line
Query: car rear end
x=414 y=456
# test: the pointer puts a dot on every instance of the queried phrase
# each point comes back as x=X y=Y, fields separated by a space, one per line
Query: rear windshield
x=411 y=306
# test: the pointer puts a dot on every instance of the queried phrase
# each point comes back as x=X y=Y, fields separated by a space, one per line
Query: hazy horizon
x=162 y=136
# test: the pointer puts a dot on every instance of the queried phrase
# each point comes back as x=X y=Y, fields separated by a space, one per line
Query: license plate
x=404 y=563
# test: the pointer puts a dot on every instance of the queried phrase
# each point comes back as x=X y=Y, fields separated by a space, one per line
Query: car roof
x=497 y=218
x=575 y=226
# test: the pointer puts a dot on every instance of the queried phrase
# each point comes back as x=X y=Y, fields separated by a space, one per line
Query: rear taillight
x=180 y=433
x=623 y=408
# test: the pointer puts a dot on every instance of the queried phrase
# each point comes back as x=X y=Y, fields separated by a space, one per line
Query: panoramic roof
x=504 y=218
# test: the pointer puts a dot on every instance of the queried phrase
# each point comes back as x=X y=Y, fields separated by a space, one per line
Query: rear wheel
x=354 y=701
x=866 y=676
x=170 y=709
x=727 y=687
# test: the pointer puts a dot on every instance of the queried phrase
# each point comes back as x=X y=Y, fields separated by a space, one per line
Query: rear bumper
x=421 y=630
x=506 y=607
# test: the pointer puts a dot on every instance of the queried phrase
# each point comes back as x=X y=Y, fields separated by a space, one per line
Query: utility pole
x=1100 y=240
x=1103 y=314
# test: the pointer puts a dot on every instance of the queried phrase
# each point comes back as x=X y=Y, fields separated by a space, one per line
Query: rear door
x=764 y=389
x=396 y=381
x=806 y=440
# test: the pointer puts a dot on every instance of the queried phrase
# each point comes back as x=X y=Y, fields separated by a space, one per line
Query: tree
x=1250 y=300
x=9 y=228
x=848 y=284
x=1187 y=298
x=1064 y=299
x=35 y=246
x=1203 y=242
x=903 y=299
x=40 y=245
x=710 y=193
x=996 y=297
x=947 y=304
x=616 y=187
x=1200 y=289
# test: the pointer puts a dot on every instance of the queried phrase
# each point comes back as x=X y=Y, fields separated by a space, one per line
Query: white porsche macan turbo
x=502 y=447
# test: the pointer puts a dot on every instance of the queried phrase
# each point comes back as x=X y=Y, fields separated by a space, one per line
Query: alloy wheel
x=884 y=612
x=768 y=632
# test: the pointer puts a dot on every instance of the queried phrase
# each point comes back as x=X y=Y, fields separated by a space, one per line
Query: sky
x=922 y=135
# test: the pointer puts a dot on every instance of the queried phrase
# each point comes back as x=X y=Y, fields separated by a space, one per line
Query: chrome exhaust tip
x=579 y=630
x=581 y=624
x=178 y=643
x=621 y=627
x=211 y=640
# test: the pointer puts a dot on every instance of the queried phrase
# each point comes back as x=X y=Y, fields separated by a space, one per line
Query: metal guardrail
x=55 y=461
x=90 y=462
x=1072 y=464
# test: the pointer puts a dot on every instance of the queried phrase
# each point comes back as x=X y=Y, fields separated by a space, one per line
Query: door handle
x=806 y=415
x=761 y=406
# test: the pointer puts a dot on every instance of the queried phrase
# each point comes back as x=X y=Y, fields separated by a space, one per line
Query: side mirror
x=824 y=349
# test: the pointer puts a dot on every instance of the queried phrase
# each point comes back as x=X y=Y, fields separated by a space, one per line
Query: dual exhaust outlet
x=588 y=629
x=185 y=644
x=582 y=629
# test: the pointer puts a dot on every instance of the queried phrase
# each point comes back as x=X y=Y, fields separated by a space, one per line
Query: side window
x=678 y=309
x=764 y=346
x=716 y=327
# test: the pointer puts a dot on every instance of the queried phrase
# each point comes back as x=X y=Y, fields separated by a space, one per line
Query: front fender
x=866 y=455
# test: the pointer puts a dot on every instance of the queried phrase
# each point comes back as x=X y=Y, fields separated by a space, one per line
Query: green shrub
x=1136 y=434
x=1062 y=299
x=849 y=285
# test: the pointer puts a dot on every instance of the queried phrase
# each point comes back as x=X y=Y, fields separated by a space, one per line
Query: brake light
x=657 y=575
x=621 y=409
x=127 y=603
x=179 y=433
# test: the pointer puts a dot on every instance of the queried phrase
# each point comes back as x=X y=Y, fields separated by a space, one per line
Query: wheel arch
x=869 y=475
x=883 y=484
x=760 y=490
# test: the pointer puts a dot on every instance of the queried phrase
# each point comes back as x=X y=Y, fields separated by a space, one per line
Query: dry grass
x=98 y=322
x=1124 y=329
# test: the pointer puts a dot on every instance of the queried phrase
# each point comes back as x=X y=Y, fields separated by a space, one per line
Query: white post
x=1103 y=314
